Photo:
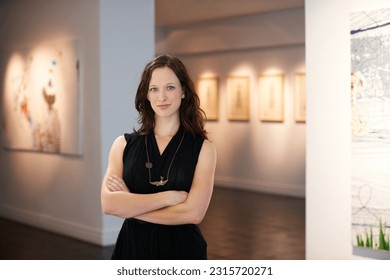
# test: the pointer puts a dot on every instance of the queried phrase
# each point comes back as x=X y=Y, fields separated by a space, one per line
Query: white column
x=126 y=45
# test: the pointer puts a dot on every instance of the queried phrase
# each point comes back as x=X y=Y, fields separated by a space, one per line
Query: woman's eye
x=170 y=87
x=153 y=89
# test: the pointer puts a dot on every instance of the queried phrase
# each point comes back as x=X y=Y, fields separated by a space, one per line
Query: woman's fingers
x=112 y=184
x=115 y=183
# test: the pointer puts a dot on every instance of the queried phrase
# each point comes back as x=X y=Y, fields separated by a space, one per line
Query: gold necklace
x=149 y=165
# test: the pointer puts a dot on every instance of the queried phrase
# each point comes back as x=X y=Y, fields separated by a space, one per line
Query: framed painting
x=41 y=101
x=207 y=89
x=238 y=98
x=300 y=97
x=370 y=132
x=271 y=105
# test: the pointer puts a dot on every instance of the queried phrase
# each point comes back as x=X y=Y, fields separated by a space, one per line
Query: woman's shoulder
x=203 y=146
x=208 y=147
x=124 y=139
x=130 y=136
x=124 y=142
x=208 y=153
x=119 y=142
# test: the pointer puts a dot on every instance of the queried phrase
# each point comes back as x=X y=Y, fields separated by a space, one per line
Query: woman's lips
x=163 y=106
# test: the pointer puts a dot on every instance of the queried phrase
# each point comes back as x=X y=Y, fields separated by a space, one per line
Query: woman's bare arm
x=118 y=201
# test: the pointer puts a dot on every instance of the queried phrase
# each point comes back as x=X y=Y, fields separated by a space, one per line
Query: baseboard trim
x=260 y=186
x=52 y=224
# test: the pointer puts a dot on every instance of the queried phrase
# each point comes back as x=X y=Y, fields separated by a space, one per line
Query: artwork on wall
x=300 y=97
x=271 y=97
x=370 y=122
x=41 y=100
x=207 y=89
x=238 y=98
x=271 y=105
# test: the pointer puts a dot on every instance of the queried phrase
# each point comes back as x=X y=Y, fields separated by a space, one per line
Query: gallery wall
x=328 y=161
x=47 y=190
x=252 y=155
x=61 y=192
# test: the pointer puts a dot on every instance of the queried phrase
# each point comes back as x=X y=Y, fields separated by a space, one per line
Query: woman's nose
x=162 y=95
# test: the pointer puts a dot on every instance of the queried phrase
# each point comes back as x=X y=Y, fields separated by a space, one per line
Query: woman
x=160 y=177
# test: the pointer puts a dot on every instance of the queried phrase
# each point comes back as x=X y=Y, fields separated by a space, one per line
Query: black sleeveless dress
x=143 y=240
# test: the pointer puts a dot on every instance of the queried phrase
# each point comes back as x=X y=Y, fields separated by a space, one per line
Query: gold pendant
x=162 y=182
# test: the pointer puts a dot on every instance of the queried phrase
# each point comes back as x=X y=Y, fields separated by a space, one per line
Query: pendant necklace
x=149 y=165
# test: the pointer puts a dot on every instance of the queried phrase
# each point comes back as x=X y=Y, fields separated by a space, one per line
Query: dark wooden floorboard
x=238 y=225
x=247 y=225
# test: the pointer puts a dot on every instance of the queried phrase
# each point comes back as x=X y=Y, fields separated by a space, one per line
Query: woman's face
x=165 y=93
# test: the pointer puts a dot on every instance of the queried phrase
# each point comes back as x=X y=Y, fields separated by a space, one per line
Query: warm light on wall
x=272 y=71
x=243 y=69
x=208 y=74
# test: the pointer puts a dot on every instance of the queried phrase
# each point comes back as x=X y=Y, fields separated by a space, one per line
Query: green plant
x=381 y=243
x=383 y=239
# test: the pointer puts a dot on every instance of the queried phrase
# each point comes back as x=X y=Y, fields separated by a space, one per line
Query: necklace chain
x=149 y=165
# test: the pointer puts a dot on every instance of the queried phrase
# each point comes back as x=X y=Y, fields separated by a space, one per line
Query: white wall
x=126 y=45
x=253 y=155
x=62 y=193
x=328 y=162
x=52 y=191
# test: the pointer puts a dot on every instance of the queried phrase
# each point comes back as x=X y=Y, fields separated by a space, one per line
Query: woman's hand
x=116 y=184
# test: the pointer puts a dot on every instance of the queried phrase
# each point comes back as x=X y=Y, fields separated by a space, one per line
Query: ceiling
x=175 y=12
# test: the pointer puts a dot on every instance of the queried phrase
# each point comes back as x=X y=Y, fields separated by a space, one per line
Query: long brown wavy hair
x=192 y=117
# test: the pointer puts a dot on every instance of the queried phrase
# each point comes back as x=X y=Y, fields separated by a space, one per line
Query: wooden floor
x=238 y=225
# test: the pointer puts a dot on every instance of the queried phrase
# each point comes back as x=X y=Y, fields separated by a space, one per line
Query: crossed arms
x=169 y=207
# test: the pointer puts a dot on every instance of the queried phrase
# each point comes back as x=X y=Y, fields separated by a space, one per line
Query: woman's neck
x=165 y=128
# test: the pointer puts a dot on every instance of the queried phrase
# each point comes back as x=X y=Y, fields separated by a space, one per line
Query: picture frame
x=208 y=92
x=271 y=98
x=300 y=97
x=237 y=88
x=42 y=99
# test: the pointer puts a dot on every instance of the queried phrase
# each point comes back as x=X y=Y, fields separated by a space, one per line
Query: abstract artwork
x=41 y=102
x=370 y=122
x=271 y=106
x=207 y=89
x=238 y=98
